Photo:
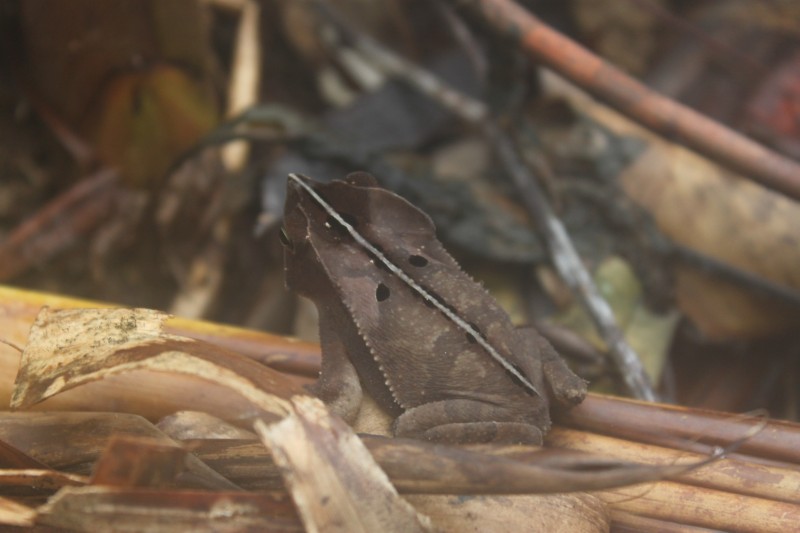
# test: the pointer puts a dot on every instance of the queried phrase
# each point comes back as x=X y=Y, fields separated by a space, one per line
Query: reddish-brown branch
x=662 y=115
x=674 y=426
x=58 y=224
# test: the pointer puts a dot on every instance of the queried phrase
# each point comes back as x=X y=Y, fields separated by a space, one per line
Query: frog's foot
x=564 y=388
x=483 y=432
x=465 y=421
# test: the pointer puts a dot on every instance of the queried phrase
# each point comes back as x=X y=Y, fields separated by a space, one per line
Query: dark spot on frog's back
x=417 y=261
x=382 y=292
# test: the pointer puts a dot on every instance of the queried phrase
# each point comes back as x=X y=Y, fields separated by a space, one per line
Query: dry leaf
x=413 y=467
x=74 y=441
x=67 y=348
x=139 y=462
x=728 y=218
x=417 y=467
x=649 y=333
x=557 y=513
x=133 y=77
x=713 y=211
x=425 y=468
x=97 y=508
x=154 y=394
x=13 y=513
x=335 y=482
x=34 y=481
x=186 y=425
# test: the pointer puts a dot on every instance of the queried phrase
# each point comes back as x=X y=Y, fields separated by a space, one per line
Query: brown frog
x=400 y=319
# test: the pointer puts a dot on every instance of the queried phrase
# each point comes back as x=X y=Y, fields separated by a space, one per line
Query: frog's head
x=320 y=219
x=311 y=235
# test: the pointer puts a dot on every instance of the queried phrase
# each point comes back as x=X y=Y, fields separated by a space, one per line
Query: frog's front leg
x=338 y=384
x=564 y=388
x=465 y=421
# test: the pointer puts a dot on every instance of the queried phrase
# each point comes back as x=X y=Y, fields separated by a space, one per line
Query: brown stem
x=58 y=224
x=665 y=116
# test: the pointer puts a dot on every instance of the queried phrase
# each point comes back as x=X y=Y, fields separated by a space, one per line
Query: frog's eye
x=382 y=292
x=283 y=235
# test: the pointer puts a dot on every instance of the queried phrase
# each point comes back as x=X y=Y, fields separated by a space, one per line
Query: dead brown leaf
x=556 y=513
x=186 y=425
x=70 y=347
x=82 y=65
x=27 y=481
x=335 y=482
x=75 y=441
x=412 y=466
x=13 y=513
x=709 y=209
x=139 y=462
x=99 y=508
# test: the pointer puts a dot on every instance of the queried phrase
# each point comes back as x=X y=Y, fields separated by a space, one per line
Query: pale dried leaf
x=97 y=508
x=16 y=514
x=707 y=208
x=39 y=479
x=554 y=513
x=76 y=440
x=139 y=462
x=185 y=425
x=70 y=347
x=335 y=482
x=649 y=333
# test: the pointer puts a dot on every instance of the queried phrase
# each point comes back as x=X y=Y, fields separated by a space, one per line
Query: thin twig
x=671 y=119
x=465 y=39
x=565 y=257
x=56 y=226
x=570 y=267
